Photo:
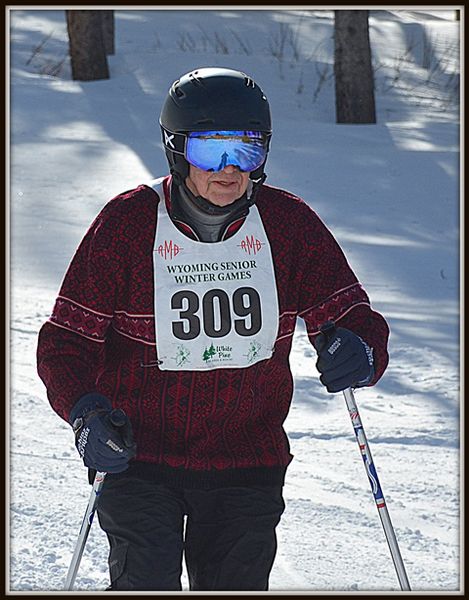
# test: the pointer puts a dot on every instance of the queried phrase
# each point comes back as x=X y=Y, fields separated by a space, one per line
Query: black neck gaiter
x=208 y=220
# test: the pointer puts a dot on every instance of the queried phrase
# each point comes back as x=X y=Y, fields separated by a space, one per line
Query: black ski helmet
x=210 y=99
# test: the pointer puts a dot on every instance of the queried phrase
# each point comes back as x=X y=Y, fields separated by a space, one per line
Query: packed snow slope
x=390 y=194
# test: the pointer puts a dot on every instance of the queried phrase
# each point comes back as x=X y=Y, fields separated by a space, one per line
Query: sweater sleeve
x=71 y=343
x=331 y=291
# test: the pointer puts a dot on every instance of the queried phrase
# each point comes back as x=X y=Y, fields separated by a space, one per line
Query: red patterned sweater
x=216 y=427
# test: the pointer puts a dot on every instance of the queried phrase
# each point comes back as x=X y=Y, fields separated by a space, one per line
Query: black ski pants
x=228 y=540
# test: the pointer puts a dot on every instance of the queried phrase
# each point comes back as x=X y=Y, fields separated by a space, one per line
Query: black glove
x=103 y=436
x=344 y=359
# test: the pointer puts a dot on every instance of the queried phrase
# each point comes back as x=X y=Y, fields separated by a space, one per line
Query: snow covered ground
x=390 y=194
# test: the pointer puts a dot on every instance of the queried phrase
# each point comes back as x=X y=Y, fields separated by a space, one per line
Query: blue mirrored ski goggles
x=214 y=150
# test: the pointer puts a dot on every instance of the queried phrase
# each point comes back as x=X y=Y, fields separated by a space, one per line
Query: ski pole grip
x=327 y=329
x=118 y=417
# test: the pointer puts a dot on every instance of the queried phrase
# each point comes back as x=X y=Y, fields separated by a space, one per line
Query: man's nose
x=230 y=169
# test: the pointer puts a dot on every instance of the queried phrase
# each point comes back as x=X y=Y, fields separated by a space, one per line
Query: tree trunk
x=107 y=17
x=354 y=85
x=87 y=51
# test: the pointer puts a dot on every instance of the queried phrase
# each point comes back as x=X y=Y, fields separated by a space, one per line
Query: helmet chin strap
x=255 y=185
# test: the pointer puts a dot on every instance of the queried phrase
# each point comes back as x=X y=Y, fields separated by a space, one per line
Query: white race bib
x=216 y=304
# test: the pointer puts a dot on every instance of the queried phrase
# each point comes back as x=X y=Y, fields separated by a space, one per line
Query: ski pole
x=84 y=529
x=118 y=419
x=376 y=489
x=327 y=329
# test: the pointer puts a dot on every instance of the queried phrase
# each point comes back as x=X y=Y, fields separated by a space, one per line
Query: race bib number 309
x=216 y=313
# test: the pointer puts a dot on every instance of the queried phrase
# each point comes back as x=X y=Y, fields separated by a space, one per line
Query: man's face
x=218 y=187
